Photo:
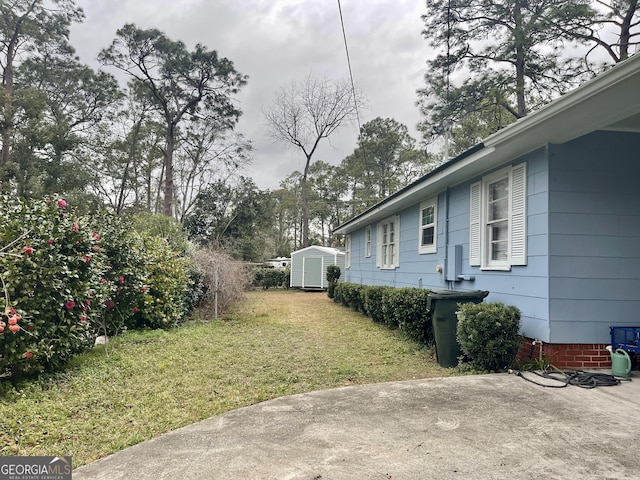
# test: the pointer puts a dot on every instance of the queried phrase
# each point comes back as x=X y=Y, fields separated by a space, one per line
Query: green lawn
x=146 y=383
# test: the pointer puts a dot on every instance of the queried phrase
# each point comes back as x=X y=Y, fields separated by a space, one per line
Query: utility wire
x=353 y=88
x=346 y=49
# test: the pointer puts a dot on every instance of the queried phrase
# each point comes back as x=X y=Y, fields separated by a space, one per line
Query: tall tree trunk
x=625 y=30
x=8 y=104
x=520 y=55
x=305 y=205
x=168 y=171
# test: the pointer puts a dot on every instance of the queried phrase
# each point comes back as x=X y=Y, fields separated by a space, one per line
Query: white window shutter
x=474 y=225
x=396 y=263
x=379 y=245
x=518 y=252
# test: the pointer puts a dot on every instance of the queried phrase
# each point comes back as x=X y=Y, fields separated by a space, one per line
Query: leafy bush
x=352 y=296
x=488 y=334
x=160 y=226
x=409 y=312
x=271 y=278
x=373 y=296
x=403 y=308
x=123 y=281
x=337 y=293
x=51 y=265
x=67 y=277
x=333 y=274
x=167 y=284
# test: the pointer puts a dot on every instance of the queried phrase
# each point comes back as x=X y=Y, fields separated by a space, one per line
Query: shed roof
x=328 y=250
x=611 y=101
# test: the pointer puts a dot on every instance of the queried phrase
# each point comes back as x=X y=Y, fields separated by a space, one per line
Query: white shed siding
x=329 y=256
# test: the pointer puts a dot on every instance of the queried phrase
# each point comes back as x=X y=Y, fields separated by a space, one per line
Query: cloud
x=276 y=42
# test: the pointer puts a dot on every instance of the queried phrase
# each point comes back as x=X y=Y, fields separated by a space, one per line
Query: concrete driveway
x=474 y=427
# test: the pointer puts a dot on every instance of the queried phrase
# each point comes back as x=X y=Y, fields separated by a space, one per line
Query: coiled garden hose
x=578 y=378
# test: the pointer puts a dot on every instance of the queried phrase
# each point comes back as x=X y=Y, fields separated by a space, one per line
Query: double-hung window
x=388 y=243
x=367 y=241
x=498 y=219
x=428 y=226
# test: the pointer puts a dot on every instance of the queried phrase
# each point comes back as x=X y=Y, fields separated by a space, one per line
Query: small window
x=428 y=226
x=388 y=243
x=367 y=241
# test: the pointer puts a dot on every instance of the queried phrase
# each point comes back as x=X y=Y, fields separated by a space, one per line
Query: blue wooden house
x=544 y=214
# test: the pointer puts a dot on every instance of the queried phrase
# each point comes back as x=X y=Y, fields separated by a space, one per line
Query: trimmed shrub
x=333 y=274
x=373 y=303
x=410 y=313
x=488 y=334
x=353 y=296
x=338 y=293
x=271 y=278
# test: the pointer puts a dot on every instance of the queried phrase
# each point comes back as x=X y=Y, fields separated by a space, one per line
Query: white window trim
x=396 y=229
x=433 y=248
x=367 y=241
x=347 y=251
x=478 y=235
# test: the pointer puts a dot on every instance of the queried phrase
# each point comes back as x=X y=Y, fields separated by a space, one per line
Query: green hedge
x=271 y=278
x=403 y=308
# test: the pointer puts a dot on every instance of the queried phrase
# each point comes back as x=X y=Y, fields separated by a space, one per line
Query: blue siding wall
x=525 y=287
x=594 y=224
x=414 y=271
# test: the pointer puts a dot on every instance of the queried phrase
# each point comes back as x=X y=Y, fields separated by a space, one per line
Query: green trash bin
x=442 y=305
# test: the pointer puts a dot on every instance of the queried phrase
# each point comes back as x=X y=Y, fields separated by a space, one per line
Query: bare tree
x=305 y=113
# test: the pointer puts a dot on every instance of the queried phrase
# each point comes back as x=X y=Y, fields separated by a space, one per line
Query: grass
x=147 y=383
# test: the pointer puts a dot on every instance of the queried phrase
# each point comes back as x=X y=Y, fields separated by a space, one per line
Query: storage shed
x=309 y=266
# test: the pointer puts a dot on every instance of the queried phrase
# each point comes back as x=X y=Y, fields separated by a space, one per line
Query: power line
x=346 y=49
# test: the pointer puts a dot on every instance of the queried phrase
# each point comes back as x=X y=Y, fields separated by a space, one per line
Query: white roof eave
x=607 y=99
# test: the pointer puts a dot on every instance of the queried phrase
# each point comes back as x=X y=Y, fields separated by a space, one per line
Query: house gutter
x=389 y=205
x=562 y=120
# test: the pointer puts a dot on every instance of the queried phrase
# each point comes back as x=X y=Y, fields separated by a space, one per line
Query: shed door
x=312 y=272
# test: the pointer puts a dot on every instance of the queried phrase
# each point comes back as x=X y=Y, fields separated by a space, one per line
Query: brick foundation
x=567 y=355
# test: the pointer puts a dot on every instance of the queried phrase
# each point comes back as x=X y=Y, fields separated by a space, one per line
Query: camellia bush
x=50 y=265
x=66 y=278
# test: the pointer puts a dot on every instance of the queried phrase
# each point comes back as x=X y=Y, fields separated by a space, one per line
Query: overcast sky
x=276 y=42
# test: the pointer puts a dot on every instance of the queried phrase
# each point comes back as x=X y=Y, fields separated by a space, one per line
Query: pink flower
x=96 y=236
x=28 y=355
x=27 y=249
x=87 y=258
x=135 y=309
x=76 y=227
x=144 y=289
x=88 y=302
x=121 y=279
x=83 y=318
x=50 y=241
x=70 y=304
x=102 y=280
x=109 y=304
x=62 y=203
